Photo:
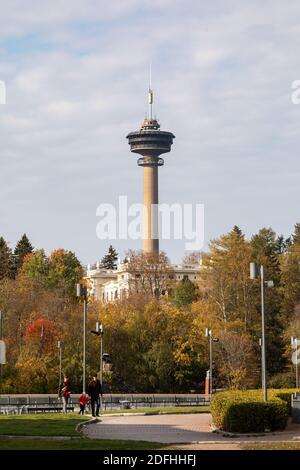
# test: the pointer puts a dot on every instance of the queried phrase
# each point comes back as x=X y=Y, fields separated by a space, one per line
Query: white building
x=111 y=285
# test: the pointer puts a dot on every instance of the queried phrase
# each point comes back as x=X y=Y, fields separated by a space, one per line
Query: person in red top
x=65 y=392
x=83 y=399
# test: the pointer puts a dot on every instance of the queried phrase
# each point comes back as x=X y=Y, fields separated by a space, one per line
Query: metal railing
x=23 y=404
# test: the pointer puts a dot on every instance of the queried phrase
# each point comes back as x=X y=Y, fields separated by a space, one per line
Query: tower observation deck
x=150 y=142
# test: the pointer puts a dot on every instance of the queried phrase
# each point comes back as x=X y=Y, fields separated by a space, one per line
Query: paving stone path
x=176 y=429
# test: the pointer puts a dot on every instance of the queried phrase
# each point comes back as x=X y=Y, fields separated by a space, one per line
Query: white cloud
x=62 y=108
x=221 y=76
x=19 y=17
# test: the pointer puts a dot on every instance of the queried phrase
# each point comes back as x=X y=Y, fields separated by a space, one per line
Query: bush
x=238 y=411
x=282 y=380
x=285 y=395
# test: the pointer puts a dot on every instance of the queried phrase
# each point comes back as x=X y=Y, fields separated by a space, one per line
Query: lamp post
x=208 y=334
x=81 y=291
x=254 y=274
x=294 y=343
x=2 y=351
x=99 y=332
x=59 y=345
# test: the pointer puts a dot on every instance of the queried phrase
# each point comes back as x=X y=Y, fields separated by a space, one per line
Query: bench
x=45 y=409
x=125 y=404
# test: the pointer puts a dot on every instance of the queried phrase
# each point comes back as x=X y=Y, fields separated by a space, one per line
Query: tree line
x=156 y=342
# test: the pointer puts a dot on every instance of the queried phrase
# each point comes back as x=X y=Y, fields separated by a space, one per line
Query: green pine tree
x=23 y=247
x=282 y=244
x=185 y=292
x=237 y=231
x=296 y=234
x=266 y=252
x=109 y=261
x=6 y=260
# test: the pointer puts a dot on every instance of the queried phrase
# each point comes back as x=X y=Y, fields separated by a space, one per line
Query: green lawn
x=56 y=424
x=48 y=424
x=76 y=444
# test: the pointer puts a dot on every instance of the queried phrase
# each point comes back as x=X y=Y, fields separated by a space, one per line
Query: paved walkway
x=176 y=429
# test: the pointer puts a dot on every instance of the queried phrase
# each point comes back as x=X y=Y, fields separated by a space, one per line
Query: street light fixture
x=208 y=334
x=81 y=292
x=255 y=272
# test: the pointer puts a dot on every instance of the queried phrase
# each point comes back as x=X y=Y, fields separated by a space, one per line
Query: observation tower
x=150 y=142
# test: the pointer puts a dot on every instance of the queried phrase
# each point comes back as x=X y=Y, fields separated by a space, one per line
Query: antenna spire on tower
x=150 y=93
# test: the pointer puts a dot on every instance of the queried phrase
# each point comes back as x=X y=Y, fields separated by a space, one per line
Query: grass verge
x=48 y=424
x=271 y=446
x=76 y=444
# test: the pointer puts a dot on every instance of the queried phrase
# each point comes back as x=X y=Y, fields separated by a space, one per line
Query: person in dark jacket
x=95 y=391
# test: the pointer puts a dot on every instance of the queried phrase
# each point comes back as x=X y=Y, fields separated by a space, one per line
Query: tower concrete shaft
x=150 y=216
x=150 y=142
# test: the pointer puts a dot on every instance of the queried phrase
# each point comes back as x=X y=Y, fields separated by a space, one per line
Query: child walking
x=83 y=399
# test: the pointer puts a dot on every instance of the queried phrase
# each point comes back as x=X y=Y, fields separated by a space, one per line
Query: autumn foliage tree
x=41 y=335
x=235 y=357
x=150 y=348
x=38 y=307
x=150 y=274
x=226 y=278
x=290 y=275
x=61 y=270
x=156 y=342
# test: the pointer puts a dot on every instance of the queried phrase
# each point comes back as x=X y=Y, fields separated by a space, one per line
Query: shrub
x=282 y=380
x=284 y=394
x=245 y=411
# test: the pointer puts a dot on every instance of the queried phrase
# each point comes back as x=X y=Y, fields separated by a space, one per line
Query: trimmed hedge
x=246 y=411
x=284 y=394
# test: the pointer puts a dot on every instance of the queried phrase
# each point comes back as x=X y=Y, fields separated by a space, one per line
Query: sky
x=76 y=75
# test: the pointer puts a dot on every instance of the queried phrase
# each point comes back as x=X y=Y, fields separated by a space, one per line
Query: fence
x=22 y=404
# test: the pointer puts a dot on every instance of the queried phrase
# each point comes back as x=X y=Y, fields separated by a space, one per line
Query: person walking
x=65 y=393
x=83 y=399
x=95 y=391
